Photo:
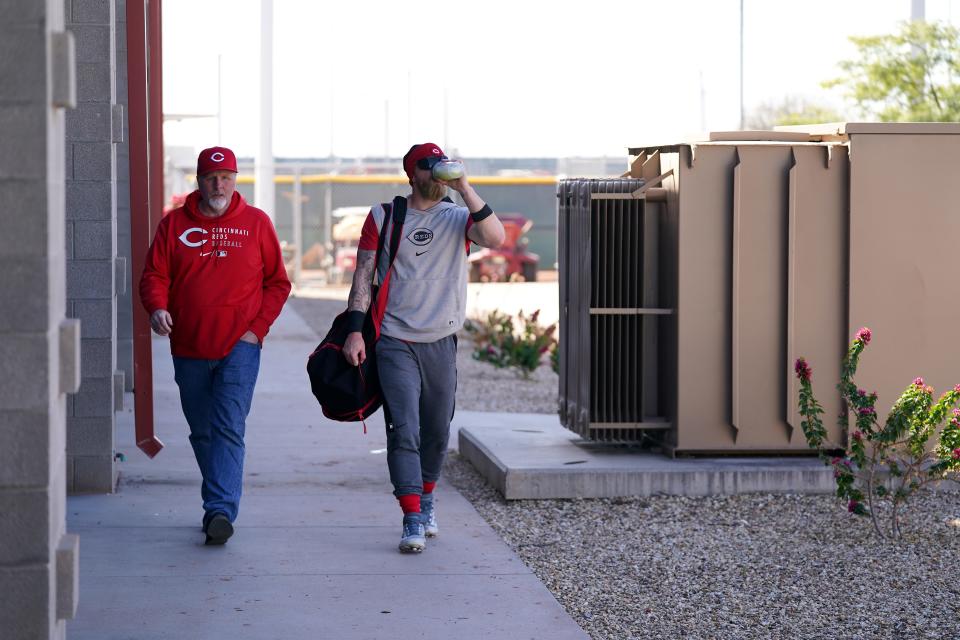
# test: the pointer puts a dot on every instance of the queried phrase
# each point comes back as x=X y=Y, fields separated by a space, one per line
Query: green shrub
x=504 y=341
x=884 y=464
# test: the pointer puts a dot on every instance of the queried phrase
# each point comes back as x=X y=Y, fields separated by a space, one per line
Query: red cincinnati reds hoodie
x=218 y=277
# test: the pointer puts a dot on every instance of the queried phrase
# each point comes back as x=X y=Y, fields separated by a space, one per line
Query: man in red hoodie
x=214 y=281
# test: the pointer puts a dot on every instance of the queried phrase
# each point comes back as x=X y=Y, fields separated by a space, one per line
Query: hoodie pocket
x=210 y=331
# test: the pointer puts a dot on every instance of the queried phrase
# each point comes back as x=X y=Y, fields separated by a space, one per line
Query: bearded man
x=426 y=306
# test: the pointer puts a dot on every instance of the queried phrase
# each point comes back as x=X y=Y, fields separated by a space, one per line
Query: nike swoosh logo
x=206 y=254
x=420 y=253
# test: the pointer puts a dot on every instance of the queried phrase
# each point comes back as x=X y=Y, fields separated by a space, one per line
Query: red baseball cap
x=216 y=159
x=419 y=152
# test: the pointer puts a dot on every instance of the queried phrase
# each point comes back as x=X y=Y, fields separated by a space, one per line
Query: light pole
x=917 y=10
x=741 y=64
x=219 y=98
x=264 y=195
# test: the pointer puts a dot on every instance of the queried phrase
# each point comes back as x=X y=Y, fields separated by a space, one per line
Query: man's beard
x=431 y=190
x=218 y=203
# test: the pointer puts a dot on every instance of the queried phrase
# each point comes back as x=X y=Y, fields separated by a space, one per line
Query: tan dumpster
x=780 y=244
x=904 y=198
x=760 y=277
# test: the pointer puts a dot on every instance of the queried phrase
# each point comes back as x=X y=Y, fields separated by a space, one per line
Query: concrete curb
x=526 y=464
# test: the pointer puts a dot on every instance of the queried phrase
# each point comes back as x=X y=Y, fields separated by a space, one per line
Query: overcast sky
x=518 y=77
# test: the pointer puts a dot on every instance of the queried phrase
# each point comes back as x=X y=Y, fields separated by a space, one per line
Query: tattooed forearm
x=361 y=291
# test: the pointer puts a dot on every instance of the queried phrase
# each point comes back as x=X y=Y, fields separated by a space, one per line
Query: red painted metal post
x=141 y=223
x=155 y=104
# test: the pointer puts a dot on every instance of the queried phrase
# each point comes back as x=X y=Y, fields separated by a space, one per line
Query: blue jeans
x=216 y=397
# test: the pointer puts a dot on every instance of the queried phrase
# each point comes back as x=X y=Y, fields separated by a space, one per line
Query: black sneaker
x=218 y=529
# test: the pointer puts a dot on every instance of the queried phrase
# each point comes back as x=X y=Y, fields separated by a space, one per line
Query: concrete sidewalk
x=315 y=553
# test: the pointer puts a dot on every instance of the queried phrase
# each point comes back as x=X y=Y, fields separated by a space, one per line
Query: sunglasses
x=428 y=162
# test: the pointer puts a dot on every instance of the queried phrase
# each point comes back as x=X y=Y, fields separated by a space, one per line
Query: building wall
x=93 y=273
x=39 y=347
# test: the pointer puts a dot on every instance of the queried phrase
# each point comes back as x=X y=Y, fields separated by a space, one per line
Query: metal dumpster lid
x=847 y=128
x=828 y=132
x=733 y=137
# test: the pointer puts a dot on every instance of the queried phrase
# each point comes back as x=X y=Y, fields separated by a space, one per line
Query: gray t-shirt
x=427 y=298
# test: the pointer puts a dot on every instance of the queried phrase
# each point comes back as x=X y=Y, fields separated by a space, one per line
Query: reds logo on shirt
x=420 y=237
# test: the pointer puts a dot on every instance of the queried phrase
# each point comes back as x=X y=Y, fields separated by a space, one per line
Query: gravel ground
x=480 y=386
x=757 y=566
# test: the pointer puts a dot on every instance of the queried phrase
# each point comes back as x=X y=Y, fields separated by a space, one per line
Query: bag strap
x=399 y=216
x=398 y=212
x=387 y=212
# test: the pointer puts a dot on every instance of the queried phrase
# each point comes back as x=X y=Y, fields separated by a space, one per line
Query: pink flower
x=918 y=382
x=956 y=454
x=857 y=435
x=868 y=411
x=864 y=334
x=803 y=370
x=852 y=506
x=835 y=461
x=956 y=412
x=957 y=388
x=862 y=393
x=928 y=390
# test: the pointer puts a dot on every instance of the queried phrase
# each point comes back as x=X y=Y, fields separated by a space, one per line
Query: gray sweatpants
x=419 y=382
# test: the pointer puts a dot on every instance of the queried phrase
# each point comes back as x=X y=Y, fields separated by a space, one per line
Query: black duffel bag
x=347 y=393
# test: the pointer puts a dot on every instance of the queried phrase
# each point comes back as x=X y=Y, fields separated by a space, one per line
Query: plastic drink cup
x=447 y=170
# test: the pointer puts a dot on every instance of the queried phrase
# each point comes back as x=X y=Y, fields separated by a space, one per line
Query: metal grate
x=611 y=321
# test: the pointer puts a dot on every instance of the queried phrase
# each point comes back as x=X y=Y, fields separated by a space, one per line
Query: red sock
x=429 y=486
x=409 y=503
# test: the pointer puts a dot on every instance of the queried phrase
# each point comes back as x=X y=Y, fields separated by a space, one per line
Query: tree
x=907 y=76
x=791 y=110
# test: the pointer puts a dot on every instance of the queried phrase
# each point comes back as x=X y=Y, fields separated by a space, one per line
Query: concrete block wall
x=91 y=244
x=126 y=297
x=39 y=347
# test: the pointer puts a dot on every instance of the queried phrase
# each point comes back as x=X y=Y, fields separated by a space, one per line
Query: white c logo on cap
x=218 y=157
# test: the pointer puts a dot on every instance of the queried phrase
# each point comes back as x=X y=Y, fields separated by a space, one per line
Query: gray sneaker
x=429 y=512
x=413 y=540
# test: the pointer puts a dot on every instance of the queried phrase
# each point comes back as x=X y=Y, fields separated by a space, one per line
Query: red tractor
x=511 y=262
